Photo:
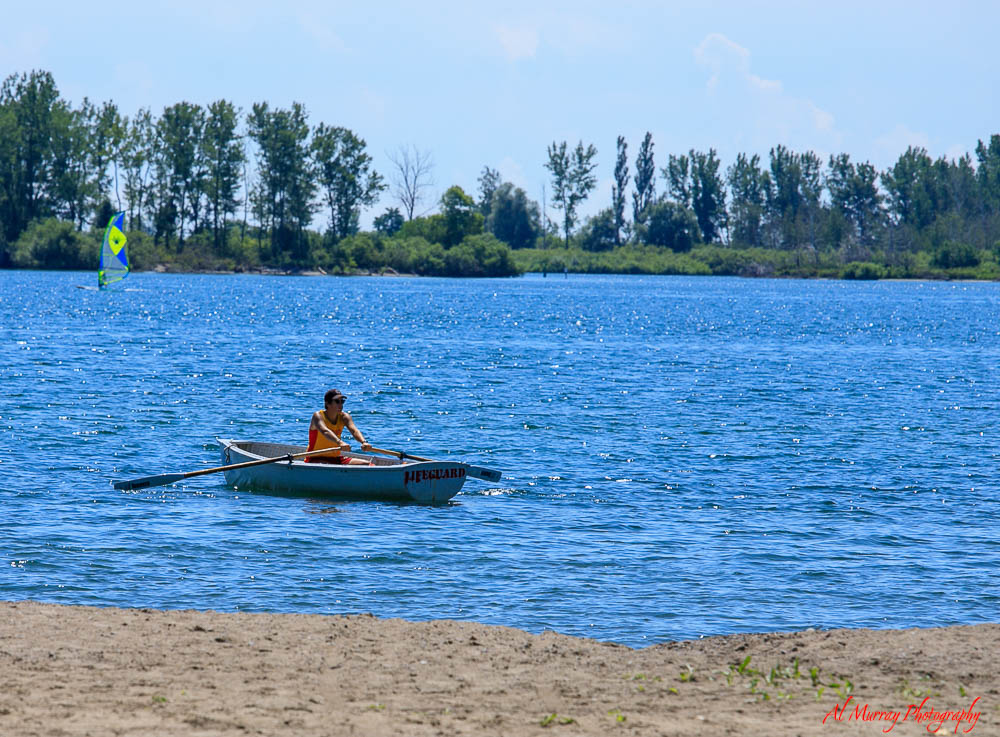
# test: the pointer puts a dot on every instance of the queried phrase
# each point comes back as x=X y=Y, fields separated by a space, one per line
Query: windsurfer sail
x=114 y=258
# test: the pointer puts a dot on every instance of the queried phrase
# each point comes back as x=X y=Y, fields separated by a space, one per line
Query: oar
x=477 y=472
x=398 y=454
x=171 y=478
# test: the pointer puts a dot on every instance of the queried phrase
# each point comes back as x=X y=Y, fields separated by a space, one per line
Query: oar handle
x=478 y=472
x=398 y=454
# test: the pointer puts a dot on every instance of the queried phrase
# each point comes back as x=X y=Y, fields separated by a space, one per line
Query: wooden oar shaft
x=398 y=454
x=172 y=478
x=261 y=462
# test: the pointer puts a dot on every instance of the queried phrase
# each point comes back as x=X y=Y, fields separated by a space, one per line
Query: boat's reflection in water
x=316 y=506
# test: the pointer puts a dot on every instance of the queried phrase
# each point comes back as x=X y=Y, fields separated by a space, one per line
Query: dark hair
x=331 y=395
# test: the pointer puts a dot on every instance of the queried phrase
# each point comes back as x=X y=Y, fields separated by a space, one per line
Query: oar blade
x=146 y=481
x=486 y=474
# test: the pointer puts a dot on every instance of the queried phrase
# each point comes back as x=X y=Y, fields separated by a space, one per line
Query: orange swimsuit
x=318 y=441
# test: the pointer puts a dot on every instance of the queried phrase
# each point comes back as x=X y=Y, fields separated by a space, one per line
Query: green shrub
x=55 y=244
x=361 y=251
x=428 y=259
x=669 y=224
x=952 y=255
x=492 y=256
x=863 y=270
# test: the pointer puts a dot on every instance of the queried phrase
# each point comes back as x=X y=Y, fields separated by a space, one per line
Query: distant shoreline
x=267 y=271
x=393 y=273
x=81 y=669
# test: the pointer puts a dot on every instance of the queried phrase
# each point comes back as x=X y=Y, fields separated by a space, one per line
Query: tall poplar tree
x=747 y=188
x=784 y=196
x=645 y=179
x=708 y=194
x=677 y=172
x=489 y=181
x=618 y=190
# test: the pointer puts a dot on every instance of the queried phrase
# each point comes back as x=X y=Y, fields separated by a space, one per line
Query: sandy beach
x=70 y=670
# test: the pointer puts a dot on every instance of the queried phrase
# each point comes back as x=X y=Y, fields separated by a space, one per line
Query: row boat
x=426 y=482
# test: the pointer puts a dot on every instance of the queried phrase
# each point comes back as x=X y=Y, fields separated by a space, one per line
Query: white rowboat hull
x=430 y=482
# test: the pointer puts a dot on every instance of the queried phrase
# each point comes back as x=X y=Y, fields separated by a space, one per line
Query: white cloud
x=720 y=54
x=769 y=114
x=518 y=42
x=725 y=57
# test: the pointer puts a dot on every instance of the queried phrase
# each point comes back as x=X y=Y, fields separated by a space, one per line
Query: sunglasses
x=338 y=400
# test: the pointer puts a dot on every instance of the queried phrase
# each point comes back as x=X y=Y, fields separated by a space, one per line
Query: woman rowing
x=325 y=430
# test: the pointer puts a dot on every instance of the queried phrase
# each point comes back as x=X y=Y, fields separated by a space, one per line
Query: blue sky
x=494 y=84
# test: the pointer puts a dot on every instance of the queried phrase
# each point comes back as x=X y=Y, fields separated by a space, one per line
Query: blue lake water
x=682 y=456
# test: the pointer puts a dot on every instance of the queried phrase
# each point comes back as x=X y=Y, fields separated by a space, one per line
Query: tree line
x=214 y=187
x=795 y=201
x=246 y=187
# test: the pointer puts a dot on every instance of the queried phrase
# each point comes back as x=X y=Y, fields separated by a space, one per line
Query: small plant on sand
x=762 y=684
x=844 y=689
x=915 y=692
x=687 y=675
x=617 y=714
x=554 y=718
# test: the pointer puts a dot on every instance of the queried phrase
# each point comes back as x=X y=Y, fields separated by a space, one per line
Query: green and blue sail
x=114 y=258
